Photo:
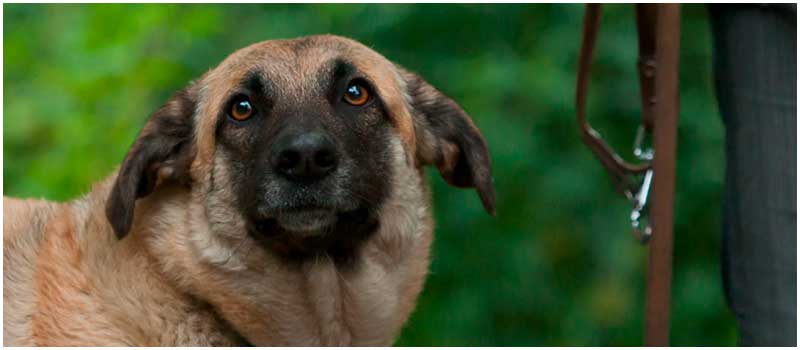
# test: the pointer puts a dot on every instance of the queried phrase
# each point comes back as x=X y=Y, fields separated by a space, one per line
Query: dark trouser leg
x=755 y=71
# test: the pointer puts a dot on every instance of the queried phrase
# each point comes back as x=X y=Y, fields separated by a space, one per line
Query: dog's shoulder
x=24 y=227
x=24 y=219
x=44 y=246
x=25 y=224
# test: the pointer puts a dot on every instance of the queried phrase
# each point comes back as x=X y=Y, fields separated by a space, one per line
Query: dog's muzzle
x=304 y=160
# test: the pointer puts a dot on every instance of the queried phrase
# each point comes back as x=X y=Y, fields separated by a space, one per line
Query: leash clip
x=639 y=200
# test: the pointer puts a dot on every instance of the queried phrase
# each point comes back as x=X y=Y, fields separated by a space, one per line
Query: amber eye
x=241 y=110
x=356 y=94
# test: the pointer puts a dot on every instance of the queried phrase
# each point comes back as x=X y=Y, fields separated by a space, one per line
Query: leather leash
x=658 y=27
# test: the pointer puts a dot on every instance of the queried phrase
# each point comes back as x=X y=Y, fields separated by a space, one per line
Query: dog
x=278 y=199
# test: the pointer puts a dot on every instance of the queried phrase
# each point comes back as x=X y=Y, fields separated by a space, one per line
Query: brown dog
x=277 y=200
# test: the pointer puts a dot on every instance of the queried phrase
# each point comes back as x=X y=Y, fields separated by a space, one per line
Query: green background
x=557 y=266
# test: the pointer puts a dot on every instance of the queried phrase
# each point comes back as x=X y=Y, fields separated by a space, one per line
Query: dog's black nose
x=308 y=156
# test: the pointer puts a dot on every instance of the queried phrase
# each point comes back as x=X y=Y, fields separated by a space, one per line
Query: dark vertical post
x=665 y=124
x=646 y=64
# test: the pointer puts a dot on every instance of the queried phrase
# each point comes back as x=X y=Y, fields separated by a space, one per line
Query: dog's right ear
x=163 y=151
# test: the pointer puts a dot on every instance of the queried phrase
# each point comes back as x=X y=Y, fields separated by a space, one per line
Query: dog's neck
x=269 y=301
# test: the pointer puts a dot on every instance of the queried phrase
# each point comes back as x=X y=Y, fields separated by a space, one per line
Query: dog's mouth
x=306 y=221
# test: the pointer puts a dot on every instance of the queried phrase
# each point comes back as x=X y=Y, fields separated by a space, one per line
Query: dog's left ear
x=162 y=152
x=447 y=137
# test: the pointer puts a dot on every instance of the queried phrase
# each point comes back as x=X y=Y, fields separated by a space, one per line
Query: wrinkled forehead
x=299 y=66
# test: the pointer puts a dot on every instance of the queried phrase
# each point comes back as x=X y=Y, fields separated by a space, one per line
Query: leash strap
x=624 y=175
x=658 y=27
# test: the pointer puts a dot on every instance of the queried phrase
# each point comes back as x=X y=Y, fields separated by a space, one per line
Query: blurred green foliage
x=558 y=266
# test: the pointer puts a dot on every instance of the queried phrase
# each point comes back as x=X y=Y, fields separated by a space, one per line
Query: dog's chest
x=320 y=303
x=352 y=304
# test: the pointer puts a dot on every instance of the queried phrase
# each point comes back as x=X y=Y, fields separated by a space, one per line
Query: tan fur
x=188 y=274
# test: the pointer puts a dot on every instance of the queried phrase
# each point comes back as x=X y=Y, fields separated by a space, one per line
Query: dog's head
x=297 y=140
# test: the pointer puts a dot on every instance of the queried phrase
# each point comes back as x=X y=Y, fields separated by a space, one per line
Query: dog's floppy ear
x=163 y=151
x=447 y=137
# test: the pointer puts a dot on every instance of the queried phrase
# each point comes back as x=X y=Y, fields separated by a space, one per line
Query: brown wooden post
x=665 y=124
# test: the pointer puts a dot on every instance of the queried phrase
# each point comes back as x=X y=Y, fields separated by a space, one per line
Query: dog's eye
x=356 y=94
x=241 y=109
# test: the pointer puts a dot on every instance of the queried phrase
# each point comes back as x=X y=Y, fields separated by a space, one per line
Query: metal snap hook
x=639 y=202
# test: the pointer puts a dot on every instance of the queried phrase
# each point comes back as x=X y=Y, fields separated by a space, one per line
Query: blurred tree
x=556 y=267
